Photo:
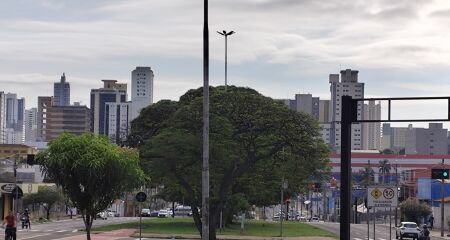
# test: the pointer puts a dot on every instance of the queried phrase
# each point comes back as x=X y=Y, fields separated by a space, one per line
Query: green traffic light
x=445 y=174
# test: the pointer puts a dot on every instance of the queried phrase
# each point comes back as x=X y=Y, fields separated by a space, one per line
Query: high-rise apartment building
x=112 y=92
x=432 y=141
x=117 y=121
x=141 y=90
x=348 y=85
x=372 y=131
x=44 y=103
x=31 y=125
x=61 y=92
x=2 y=117
x=324 y=111
x=15 y=110
x=394 y=138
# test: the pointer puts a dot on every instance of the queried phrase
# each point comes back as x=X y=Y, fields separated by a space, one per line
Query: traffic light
x=439 y=173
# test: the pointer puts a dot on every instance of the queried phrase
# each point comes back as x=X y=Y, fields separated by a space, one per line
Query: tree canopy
x=46 y=196
x=255 y=141
x=90 y=171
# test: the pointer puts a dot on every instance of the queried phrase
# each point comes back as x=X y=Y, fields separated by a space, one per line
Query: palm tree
x=384 y=168
x=367 y=176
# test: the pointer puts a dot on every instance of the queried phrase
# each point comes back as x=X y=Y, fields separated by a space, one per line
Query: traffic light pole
x=442 y=203
x=349 y=116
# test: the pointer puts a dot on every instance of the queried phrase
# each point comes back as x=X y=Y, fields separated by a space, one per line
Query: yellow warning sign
x=376 y=193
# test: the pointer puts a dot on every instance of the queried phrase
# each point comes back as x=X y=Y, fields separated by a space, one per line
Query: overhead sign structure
x=382 y=197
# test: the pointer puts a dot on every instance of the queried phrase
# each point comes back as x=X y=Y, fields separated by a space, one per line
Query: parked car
x=163 y=213
x=302 y=219
x=102 y=215
x=408 y=230
x=314 y=219
x=183 y=211
x=110 y=213
x=145 y=212
x=154 y=213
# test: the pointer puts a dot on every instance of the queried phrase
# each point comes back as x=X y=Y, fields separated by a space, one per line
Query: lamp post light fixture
x=226 y=34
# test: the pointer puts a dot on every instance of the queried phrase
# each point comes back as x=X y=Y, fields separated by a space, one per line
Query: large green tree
x=255 y=141
x=90 y=171
x=46 y=196
x=414 y=210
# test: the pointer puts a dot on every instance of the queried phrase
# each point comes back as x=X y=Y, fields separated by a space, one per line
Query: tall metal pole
x=205 y=170
x=226 y=62
x=442 y=203
x=15 y=191
x=396 y=189
x=346 y=127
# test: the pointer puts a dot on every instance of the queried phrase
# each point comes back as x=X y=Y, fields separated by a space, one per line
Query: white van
x=183 y=211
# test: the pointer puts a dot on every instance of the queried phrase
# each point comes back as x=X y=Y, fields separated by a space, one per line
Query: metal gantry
x=349 y=116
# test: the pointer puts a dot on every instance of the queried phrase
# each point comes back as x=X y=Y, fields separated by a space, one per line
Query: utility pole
x=205 y=170
x=284 y=185
x=15 y=191
x=442 y=202
x=396 y=189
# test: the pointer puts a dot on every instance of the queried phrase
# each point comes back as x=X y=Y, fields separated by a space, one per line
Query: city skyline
x=290 y=47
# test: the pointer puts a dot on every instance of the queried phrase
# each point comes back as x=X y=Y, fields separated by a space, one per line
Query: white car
x=163 y=213
x=408 y=230
x=314 y=219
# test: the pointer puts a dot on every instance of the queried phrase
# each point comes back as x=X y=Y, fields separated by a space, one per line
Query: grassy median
x=252 y=228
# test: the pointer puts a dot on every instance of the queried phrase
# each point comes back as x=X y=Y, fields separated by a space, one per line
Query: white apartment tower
x=31 y=125
x=15 y=112
x=117 y=122
x=347 y=86
x=141 y=90
x=372 y=131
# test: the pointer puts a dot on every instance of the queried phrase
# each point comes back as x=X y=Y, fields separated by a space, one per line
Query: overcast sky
x=282 y=47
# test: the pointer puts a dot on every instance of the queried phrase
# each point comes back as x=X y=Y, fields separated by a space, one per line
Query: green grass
x=252 y=228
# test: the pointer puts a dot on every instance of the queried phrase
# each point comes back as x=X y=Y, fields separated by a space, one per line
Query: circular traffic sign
x=141 y=197
x=388 y=193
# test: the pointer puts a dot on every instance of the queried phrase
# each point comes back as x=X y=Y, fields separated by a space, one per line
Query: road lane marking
x=35 y=236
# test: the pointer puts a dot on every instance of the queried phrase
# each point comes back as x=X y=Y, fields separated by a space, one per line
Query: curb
x=223 y=237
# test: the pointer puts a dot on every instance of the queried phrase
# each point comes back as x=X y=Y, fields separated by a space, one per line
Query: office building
x=30 y=125
x=117 y=122
x=61 y=92
x=324 y=111
x=432 y=141
x=141 y=89
x=112 y=92
x=70 y=119
x=372 y=131
x=348 y=85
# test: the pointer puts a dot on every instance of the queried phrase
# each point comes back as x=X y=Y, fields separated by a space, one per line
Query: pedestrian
x=11 y=225
x=426 y=233
x=431 y=222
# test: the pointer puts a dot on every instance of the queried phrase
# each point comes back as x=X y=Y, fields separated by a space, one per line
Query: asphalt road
x=62 y=229
x=359 y=231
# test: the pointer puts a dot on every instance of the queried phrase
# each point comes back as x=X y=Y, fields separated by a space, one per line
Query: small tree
x=46 y=197
x=414 y=210
x=91 y=171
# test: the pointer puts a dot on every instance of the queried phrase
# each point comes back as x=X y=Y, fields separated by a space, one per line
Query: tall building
x=141 y=89
x=15 y=110
x=372 y=131
x=394 y=138
x=117 y=122
x=2 y=117
x=112 y=92
x=324 y=111
x=432 y=141
x=31 y=125
x=71 y=119
x=44 y=103
x=61 y=92
x=348 y=85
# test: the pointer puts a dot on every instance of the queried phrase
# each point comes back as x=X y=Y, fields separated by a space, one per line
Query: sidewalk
x=223 y=237
x=113 y=235
x=436 y=233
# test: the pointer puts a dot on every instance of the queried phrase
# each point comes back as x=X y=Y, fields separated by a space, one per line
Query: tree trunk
x=88 y=220
x=213 y=224
x=48 y=213
x=197 y=218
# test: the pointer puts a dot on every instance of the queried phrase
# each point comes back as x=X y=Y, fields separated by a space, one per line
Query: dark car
x=154 y=213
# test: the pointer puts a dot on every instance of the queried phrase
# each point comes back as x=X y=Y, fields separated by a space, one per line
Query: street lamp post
x=226 y=34
x=205 y=169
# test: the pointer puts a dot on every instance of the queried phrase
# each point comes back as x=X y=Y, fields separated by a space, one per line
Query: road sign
x=382 y=197
x=141 y=197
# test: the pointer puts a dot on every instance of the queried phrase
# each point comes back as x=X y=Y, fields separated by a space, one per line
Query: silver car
x=408 y=230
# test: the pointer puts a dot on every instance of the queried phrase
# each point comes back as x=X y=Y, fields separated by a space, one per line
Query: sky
x=281 y=47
